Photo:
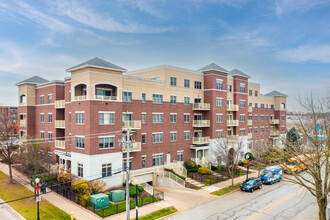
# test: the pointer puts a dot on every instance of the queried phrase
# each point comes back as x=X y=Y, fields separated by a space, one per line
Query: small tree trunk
x=232 y=177
x=9 y=165
x=322 y=204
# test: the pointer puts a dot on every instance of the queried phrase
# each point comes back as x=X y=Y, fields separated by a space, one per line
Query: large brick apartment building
x=9 y=111
x=174 y=113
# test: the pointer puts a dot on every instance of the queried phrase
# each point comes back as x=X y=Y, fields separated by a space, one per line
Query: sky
x=283 y=45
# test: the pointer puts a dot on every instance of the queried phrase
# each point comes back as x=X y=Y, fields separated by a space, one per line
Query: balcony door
x=198 y=100
x=229 y=117
x=127 y=116
x=198 y=134
x=168 y=158
x=197 y=117
x=229 y=102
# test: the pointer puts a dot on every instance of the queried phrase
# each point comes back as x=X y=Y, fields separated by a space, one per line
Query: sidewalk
x=79 y=212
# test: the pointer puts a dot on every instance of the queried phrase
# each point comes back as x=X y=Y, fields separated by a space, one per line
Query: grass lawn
x=158 y=214
x=242 y=173
x=226 y=190
x=27 y=207
x=211 y=181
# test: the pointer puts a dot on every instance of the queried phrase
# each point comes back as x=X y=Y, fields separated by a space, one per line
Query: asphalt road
x=277 y=202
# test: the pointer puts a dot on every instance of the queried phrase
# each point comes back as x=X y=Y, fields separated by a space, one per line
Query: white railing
x=177 y=167
x=249 y=135
x=249 y=122
x=274 y=133
x=201 y=123
x=201 y=106
x=232 y=108
x=22 y=123
x=203 y=162
x=169 y=175
x=232 y=138
x=148 y=188
x=201 y=140
x=60 y=144
x=250 y=109
x=81 y=97
x=274 y=121
x=59 y=123
x=232 y=122
x=103 y=97
x=60 y=104
x=136 y=146
x=133 y=124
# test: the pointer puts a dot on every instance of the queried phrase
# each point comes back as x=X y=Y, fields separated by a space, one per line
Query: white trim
x=106 y=112
x=157 y=132
x=106 y=136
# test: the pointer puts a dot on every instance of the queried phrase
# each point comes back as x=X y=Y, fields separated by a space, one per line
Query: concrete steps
x=194 y=182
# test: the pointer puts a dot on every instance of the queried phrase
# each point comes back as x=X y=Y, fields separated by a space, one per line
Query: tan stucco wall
x=29 y=91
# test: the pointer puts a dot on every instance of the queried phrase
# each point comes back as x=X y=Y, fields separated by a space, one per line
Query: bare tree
x=312 y=151
x=8 y=135
x=229 y=154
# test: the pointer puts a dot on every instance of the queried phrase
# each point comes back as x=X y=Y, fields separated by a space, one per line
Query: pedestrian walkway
x=194 y=182
x=79 y=212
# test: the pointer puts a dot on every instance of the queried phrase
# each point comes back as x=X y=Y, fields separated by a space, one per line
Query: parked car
x=251 y=184
x=271 y=174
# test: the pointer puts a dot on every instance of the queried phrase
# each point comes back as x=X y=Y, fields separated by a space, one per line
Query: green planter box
x=99 y=201
x=117 y=195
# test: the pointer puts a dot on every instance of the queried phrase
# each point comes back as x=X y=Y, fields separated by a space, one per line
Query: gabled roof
x=213 y=66
x=97 y=62
x=275 y=93
x=236 y=72
x=33 y=80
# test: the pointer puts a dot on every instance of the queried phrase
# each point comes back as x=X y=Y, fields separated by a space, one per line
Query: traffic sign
x=38 y=199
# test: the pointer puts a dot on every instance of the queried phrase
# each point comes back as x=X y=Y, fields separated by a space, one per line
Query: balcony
x=201 y=123
x=201 y=107
x=249 y=122
x=274 y=133
x=81 y=97
x=133 y=124
x=232 y=108
x=60 y=144
x=232 y=138
x=136 y=147
x=249 y=135
x=232 y=122
x=60 y=104
x=60 y=124
x=274 y=122
x=22 y=123
x=201 y=140
x=106 y=98
x=250 y=109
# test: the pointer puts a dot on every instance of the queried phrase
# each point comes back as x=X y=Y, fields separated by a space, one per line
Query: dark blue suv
x=251 y=184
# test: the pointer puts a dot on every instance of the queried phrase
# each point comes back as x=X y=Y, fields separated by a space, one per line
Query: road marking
x=275 y=204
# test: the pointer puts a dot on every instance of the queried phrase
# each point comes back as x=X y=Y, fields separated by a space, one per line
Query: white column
x=65 y=167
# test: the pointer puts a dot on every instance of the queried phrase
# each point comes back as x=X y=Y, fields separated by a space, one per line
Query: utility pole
x=128 y=146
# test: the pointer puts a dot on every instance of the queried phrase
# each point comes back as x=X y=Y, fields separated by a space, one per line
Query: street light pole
x=137 y=202
x=37 y=182
x=128 y=145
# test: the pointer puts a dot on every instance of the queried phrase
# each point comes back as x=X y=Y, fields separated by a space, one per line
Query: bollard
x=71 y=214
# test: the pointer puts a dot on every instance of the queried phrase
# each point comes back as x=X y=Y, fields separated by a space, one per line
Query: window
x=282 y=129
x=186 y=135
x=256 y=130
x=42 y=99
x=219 y=102
x=173 y=118
x=144 y=161
x=198 y=85
x=250 y=104
x=144 y=138
x=157 y=159
x=219 y=133
x=255 y=105
x=50 y=98
x=157 y=118
x=173 y=81
x=219 y=84
x=219 y=118
x=80 y=118
x=42 y=135
x=144 y=118
x=250 y=92
x=50 y=136
x=250 y=117
x=250 y=130
x=262 y=118
x=70 y=117
x=127 y=96
x=50 y=117
x=70 y=138
x=272 y=106
x=186 y=100
x=242 y=132
x=80 y=142
x=80 y=170
x=242 y=103
x=262 y=130
x=242 y=88
x=186 y=83
x=173 y=136
x=157 y=99
x=106 y=142
x=282 y=117
x=173 y=99
x=186 y=118
x=143 y=98
x=106 y=118
x=125 y=163
x=180 y=155
x=229 y=88
x=157 y=138
x=42 y=118
x=106 y=169
x=262 y=106
x=242 y=118
x=256 y=93
x=255 y=117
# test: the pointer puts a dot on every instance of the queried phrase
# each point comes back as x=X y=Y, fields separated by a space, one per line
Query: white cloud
x=86 y=16
x=318 y=53
x=286 y=6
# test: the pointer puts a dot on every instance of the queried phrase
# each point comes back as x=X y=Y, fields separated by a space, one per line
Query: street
x=7 y=214
x=279 y=201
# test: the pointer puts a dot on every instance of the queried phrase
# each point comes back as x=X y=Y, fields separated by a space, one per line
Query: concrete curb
x=12 y=210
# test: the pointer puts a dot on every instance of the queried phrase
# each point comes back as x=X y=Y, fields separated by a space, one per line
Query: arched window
x=105 y=92
x=80 y=92
x=22 y=99
x=282 y=106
